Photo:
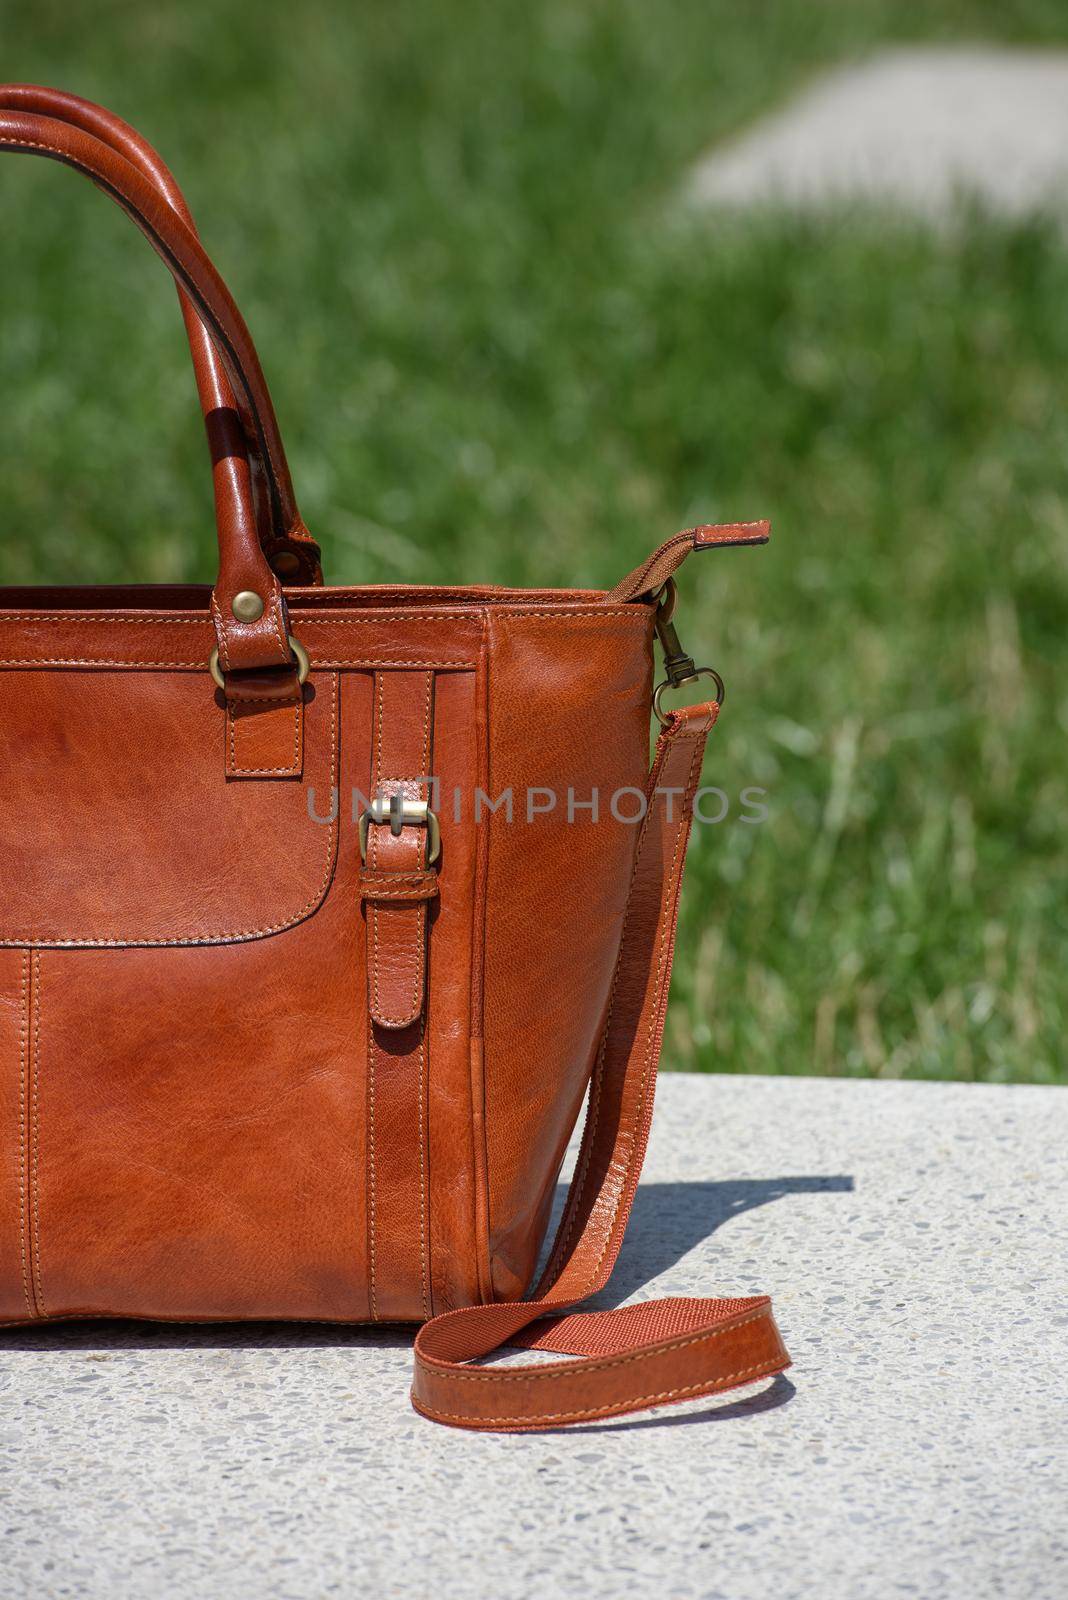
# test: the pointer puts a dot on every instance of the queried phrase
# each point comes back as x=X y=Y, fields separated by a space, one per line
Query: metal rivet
x=247 y=606
x=286 y=564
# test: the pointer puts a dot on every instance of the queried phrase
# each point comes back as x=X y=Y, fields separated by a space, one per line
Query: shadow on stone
x=109 y=1333
x=667 y=1222
x=670 y=1219
x=778 y=1393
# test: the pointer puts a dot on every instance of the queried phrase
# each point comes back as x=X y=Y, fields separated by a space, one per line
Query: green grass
x=500 y=351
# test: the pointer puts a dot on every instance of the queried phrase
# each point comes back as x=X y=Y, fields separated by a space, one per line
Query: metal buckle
x=400 y=813
x=702 y=672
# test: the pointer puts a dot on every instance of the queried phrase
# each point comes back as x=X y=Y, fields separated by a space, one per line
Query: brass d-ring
x=702 y=672
x=300 y=656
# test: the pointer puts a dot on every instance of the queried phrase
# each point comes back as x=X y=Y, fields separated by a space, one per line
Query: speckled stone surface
x=913 y=1236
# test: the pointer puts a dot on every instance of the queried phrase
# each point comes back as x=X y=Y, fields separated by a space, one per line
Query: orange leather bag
x=312 y=939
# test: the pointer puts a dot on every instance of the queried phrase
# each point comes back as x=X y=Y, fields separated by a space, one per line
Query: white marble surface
x=913 y=1236
x=919 y=127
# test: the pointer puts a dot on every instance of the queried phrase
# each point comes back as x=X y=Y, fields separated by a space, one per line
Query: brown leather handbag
x=322 y=909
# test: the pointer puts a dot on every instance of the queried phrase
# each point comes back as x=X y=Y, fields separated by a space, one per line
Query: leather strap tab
x=394 y=886
x=406 y=887
x=660 y=1351
x=265 y=726
x=396 y=921
x=717 y=533
x=666 y=559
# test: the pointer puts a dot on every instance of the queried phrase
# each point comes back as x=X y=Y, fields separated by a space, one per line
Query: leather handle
x=242 y=563
x=241 y=486
x=660 y=1351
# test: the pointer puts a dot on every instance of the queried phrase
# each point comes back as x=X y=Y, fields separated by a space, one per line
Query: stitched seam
x=633 y=615
x=706 y=1386
x=36 y=1226
x=411 y=895
x=666 y=939
x=224 y=648
x=175 y=620
x=255 y=700
x=581 y=1369
x=372 y=1047
x=422 y=1172
x=413 y=878
x=728 y=535
x=166 y=621
x=279 y=627
x=208 y=938
x=96 y=661
x=364 y=662
x=418 y=950
x=560 y=1251
x=467 y=618
x=24 y=1026
x=424 y=960
x=373 y=851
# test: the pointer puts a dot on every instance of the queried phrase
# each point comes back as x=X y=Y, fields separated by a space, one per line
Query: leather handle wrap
x=658 y=1352
x=242 y=564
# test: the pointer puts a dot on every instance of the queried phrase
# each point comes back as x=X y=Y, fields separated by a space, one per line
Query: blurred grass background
x=502 y=350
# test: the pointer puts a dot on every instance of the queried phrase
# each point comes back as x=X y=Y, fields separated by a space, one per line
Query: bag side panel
x=569 y=707
x=456 y=1248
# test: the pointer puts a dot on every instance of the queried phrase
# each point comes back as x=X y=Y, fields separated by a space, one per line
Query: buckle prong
x=400 y=812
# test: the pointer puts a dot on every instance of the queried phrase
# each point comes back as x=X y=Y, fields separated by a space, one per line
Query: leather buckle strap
x=409 y=887
x=658 y=1352
x=396 y=877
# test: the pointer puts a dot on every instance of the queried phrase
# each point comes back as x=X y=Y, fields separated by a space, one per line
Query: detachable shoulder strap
x=658 y=1351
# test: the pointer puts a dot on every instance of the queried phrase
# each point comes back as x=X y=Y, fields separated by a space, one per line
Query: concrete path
x=913 y=1236
x=916 y=128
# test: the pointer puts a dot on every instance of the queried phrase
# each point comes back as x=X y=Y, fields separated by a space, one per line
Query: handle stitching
x=706 y=1386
